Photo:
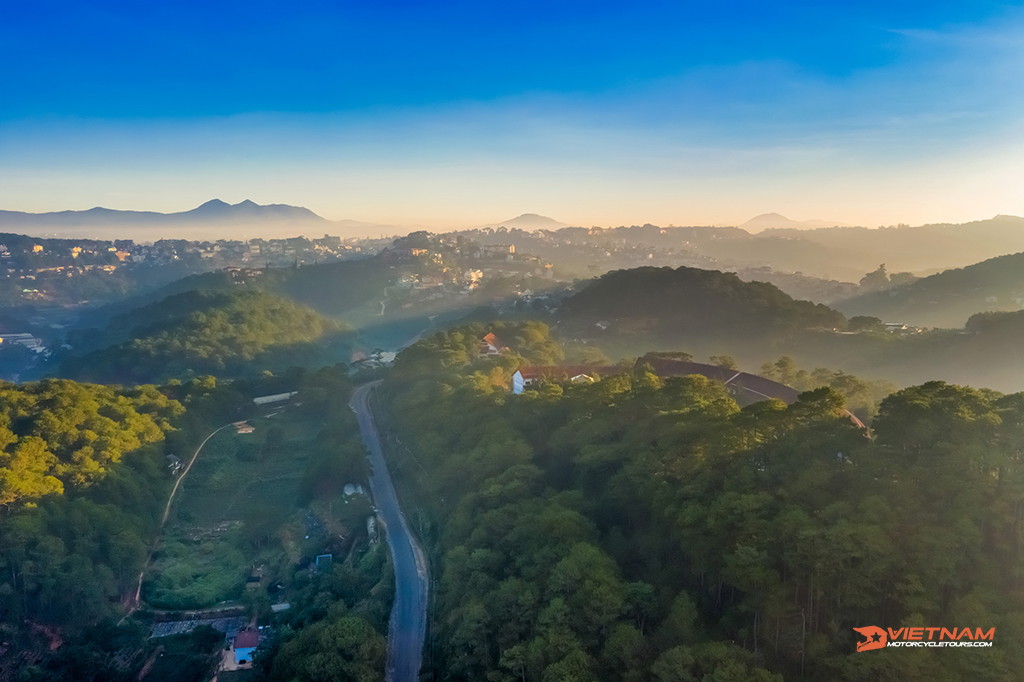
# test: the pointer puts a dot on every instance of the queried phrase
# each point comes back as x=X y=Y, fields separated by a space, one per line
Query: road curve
x=408 y=625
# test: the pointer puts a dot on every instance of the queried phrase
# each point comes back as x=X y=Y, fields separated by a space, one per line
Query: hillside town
x=37 y=263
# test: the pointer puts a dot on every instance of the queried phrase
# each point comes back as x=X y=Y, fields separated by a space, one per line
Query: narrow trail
x=136 y=599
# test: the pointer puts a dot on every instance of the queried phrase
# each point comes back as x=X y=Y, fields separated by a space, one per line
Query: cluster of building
x=896 y=328
x=529 y=375
x=433 y=267
x=23 y=339
x=235 y=252
x=428 y=266
x=39 y=262
x=375 y=359
x=746 y=388
x=260 y=251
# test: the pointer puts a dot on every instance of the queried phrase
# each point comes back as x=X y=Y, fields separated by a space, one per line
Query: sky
x=454 y=114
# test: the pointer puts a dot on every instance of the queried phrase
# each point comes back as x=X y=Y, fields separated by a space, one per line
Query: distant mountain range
x=215 y=219
x=213 y=210
x=775 y=221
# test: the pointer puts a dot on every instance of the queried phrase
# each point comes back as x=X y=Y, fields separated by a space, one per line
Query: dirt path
x=134 y=604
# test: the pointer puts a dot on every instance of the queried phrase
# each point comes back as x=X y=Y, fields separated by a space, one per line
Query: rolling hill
x=706 y=312
x=700 y=311
x=685 y=297
x=223 y=333
x=948 y=298
x=332 y=289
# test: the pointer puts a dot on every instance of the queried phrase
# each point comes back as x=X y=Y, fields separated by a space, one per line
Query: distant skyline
x=455 y=114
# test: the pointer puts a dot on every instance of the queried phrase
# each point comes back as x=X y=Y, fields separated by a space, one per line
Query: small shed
x=276 y=398
x=244 y=645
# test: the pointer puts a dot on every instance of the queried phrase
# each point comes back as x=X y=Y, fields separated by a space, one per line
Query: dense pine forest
x=617 y=526
x=84 y=475
x=225 y=333
x=641 y=528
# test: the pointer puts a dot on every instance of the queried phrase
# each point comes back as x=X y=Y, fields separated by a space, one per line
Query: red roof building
x=247 y=639
x=491 y=345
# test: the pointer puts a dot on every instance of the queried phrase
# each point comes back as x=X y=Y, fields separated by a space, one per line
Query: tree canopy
x=648 y=528
x=225 y=333
x=58 y=434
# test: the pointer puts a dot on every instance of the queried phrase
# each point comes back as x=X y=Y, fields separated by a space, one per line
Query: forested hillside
x=58 y=435
x=948 y=298
x=331 y=289
x=81 y=474
x=630 y=312
x=639 y=528
x=686 y=297
x=224 y=333
x=85 y=476
x=710 y=313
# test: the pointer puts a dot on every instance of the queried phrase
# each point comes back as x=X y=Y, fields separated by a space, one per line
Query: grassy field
x=241 y=507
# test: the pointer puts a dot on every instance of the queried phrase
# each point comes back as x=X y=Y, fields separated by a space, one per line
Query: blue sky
x=453 y=113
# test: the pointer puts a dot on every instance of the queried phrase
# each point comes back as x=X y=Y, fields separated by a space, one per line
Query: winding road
x=408 y=625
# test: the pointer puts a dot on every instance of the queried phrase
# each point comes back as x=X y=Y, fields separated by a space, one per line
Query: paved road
x=408 y=625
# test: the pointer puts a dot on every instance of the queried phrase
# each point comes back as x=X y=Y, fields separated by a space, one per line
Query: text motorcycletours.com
x=888 y=638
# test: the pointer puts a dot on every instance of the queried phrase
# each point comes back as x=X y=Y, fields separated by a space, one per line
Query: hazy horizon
x=753 y=224
x=460 y=115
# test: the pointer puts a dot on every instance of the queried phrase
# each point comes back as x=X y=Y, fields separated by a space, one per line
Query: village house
x=577 y=374
x=491 y=345
x=243 y=646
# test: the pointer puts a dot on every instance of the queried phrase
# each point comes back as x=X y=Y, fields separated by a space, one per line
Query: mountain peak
x=776 y=221
x=214 y=203
x=532 y=221
x=248 y=203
